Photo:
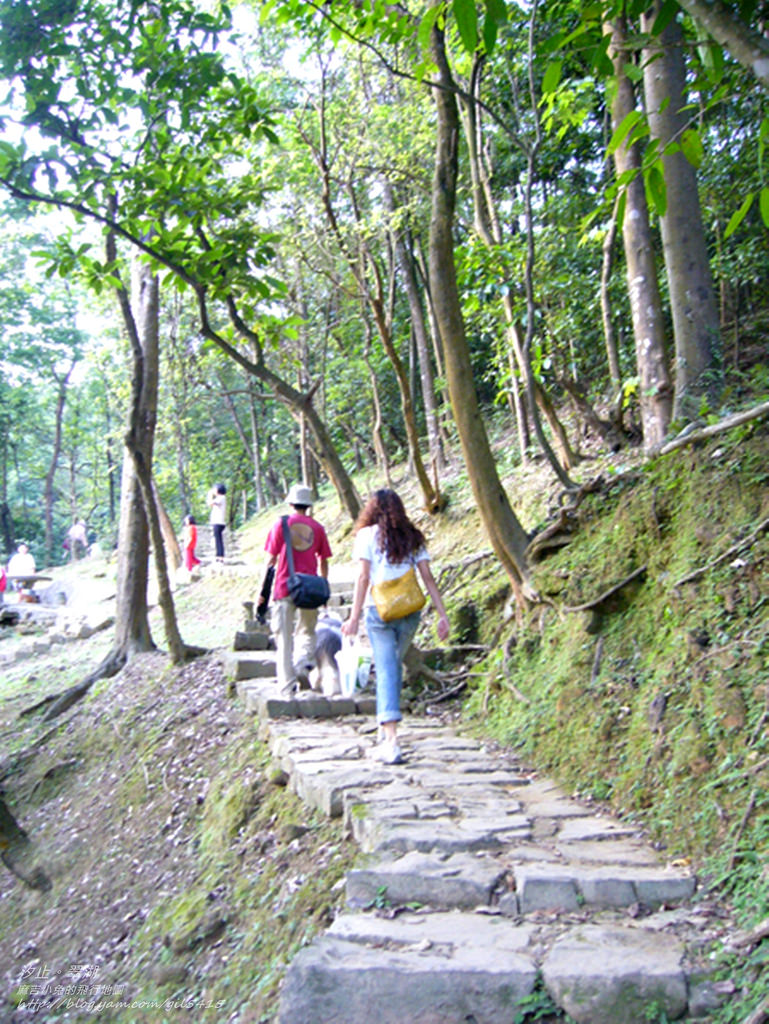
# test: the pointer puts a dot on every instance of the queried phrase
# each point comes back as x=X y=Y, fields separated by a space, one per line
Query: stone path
x=479 y=885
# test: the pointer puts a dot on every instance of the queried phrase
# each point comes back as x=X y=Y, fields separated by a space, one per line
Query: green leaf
x=426 y=26
x=489 y=34
x=497 y=10
x=467 y=23
x=667 y=13
x=763 y=203
x=712 y=57
x=691 y=146
x=552 y=77
x=738 y=216
x=621 y=131
x=655 y=189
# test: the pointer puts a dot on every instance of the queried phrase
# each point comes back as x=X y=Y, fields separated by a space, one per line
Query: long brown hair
x=398 y=537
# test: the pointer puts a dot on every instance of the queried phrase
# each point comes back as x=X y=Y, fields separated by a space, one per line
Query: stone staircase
x=481 y=887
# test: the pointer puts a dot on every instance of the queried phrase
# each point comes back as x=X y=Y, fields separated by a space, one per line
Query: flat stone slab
x=446 y=835
x=475 y=936
x=260 y=694
x=593 y=827
x=612 y=975
x=253 y=640
x=608 y=851
x=249 y=664
x=461 y=881
x=325 y=788
x=568 y=886
x=440 y=969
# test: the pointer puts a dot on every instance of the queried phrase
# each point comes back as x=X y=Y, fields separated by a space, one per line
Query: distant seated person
x=3 y=582
x=77 y=540
x=21 y=563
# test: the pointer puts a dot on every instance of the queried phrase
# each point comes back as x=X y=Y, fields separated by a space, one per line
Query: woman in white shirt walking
x=386 y=545
x=217 y=502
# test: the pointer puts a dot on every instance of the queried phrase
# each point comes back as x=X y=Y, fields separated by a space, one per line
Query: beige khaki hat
x=299 y=495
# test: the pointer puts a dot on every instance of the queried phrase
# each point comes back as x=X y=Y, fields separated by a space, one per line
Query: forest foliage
x=270 y=161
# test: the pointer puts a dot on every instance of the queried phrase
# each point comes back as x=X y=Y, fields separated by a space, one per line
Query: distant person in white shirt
x=77 y=540
x=21 y=563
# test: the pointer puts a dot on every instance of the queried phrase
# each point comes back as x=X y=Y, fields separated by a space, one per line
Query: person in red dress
x=189 y=541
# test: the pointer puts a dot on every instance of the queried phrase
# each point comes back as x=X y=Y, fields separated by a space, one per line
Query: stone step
x=263 y=699
x=249 y=665
x=513 y=885
x=253 y=640
x=450 y=968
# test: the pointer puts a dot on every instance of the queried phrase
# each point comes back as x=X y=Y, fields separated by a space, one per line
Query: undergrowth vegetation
x=654 y=696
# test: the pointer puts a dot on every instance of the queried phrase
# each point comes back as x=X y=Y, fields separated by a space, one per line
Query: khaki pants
x=294 y=632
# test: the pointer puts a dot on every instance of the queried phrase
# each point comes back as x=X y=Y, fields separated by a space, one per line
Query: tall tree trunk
x=656 y=393
x=140 y=436
x=53 y=463
x=508 y=538
x=696 y=328
x=411 y=286
x=256 y=459
x=132 y=630
x=747 y=44
x=609 y=337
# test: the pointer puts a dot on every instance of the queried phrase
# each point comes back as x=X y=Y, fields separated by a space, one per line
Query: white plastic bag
x=347 y=659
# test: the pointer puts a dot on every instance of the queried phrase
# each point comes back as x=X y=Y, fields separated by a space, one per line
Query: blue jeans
x=389 y=643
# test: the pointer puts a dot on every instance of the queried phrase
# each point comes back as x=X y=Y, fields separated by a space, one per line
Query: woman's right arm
x=432 y=589
x=350 y=627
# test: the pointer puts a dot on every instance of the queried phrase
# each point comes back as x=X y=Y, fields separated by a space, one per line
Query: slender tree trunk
x=53 y=464
x=256 y=459
x=609 y=337
x=363 y=268
x=518 y=406
x=411 y=286
x=696 y=328
x=656 y=393
x=132 y=630
x=298 y=405
x=507 y=536
x=140 y=438
x=170 y=538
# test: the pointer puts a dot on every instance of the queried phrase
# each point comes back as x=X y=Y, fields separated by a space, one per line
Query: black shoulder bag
x=306 y=590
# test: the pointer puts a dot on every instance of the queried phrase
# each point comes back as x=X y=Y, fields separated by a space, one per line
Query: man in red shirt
x=294 y=628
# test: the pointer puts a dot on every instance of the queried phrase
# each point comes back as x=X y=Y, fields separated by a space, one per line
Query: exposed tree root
x=507 y=683
x=717 y=428
x=15 y=849
x=556 y=535
x=191 y=652
x=761 y=931
x=761 y=1013
x=111 y=665
x=739 y=546
x=588 y=605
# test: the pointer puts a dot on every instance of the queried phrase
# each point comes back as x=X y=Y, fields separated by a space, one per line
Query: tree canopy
x=275 y=164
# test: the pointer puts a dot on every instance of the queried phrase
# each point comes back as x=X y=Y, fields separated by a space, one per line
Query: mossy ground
x=657 y=701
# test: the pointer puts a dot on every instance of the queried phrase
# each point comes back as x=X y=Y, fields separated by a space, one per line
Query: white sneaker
x=388 y=752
